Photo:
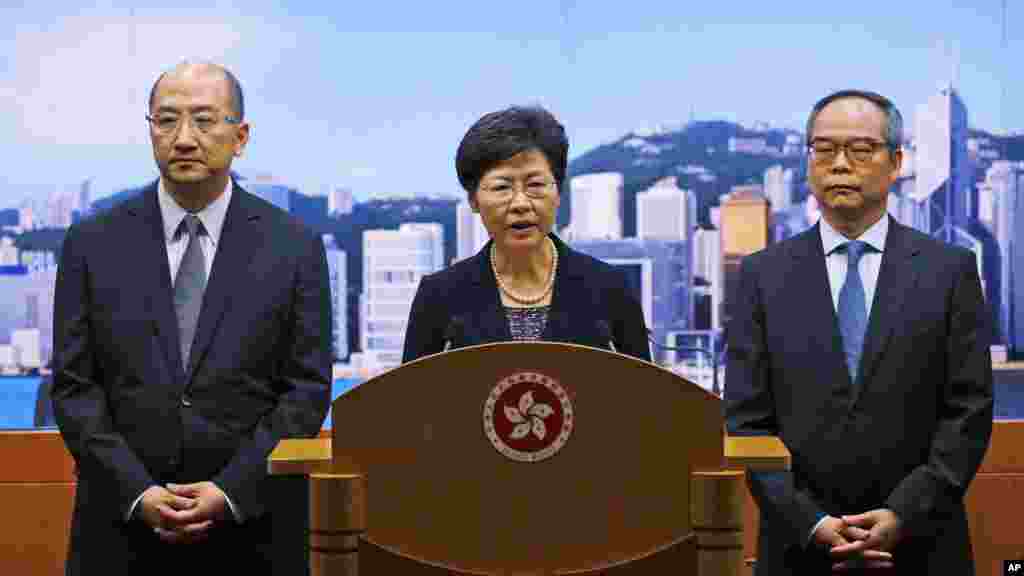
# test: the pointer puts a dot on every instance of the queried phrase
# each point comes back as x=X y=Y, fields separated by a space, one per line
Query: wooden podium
x=526 y=458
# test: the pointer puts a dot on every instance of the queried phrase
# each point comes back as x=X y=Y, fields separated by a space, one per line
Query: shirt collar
x=873 y=236
x=212 y=216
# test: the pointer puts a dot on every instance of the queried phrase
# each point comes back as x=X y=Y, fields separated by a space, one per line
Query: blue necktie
x=853 y=308
x=189 y=285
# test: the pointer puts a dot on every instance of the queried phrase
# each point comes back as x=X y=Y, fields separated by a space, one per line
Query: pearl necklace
x=548 y=286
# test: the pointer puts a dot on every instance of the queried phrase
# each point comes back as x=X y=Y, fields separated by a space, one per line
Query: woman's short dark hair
x=500 y=135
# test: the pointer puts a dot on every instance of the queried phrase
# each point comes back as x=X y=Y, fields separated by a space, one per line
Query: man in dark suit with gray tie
x=192 y=333
x=864 y=345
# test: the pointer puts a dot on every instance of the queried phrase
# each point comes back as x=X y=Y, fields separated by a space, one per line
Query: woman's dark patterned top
x=527 y=323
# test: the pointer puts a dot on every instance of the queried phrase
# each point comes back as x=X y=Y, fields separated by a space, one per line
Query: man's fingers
x=179 y=517
x=183 y=489
x=876 y=555
x=181 y=503
x=197 y=528
x=856 y=533
x=861 y=520
x=844 y=550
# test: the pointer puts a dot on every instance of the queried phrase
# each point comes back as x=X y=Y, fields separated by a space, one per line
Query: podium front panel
x=441 y=490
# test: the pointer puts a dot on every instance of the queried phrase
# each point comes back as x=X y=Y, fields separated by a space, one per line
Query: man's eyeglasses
x=503 y=190
x=166 y=123
x=860 y=150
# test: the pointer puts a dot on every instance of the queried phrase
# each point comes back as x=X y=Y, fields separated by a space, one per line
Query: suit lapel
x=812 y=302
x=896 y=279
x=160 y=291
x=557 y=326
x=238 y=236
x=492 y=323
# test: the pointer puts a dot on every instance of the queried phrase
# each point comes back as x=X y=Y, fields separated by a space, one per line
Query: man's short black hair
x=235 y=87
x=894 y=120
x=500 y=135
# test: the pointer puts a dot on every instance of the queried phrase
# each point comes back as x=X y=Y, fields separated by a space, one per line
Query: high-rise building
x=746 y=220
x=338 y=278
x=341 y=201
x=707 y=266
x=658 y=273
x=470 y=233
x=394 y=261
x=778 y=187
x=60 y=210
x=84 y=197
x=665 y=212
x=8 y=252
x=942 y=167
x=26 y=217
x=596 y=206
x=27 y=342
x=1003 y=194
x=1016 y=330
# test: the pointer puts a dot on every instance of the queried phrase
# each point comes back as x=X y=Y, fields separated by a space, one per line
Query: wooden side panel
x=995 y=505
x=37 y=492
x=34 y=456
x=35 y=530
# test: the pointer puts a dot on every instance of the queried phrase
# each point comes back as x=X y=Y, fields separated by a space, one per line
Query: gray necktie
x=853 y=308
x=189 y=285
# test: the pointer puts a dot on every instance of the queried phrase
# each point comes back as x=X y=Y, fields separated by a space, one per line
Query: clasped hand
x=860 y=541
x=182 y=513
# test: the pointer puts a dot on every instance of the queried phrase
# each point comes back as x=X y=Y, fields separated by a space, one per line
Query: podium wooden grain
x=409 y=483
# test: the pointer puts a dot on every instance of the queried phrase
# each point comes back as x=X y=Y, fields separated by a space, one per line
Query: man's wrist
x=135 y=505
x=822 y=517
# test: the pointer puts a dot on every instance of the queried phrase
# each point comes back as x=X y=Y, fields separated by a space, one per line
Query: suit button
x=186 y=401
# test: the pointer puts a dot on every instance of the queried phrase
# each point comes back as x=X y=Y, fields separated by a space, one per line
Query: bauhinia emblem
x=528 y=416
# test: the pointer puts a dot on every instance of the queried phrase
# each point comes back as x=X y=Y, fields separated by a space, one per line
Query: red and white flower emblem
x=534 y=416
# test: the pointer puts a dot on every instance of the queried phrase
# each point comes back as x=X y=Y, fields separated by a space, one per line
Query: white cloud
x=85 y=80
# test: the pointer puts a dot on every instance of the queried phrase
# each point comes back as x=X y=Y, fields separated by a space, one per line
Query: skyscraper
x=941 y=162
x=665 y=212
x=707 y=266
x=1003 y=192
x=658 y=273
x=394 y=262
x=337 y=276
x=745 y=228
x=85 y=197
x=778 y=187
x=596 y=206
x=340 y=201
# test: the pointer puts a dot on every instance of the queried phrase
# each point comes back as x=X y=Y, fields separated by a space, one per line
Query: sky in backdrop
x=375 y=96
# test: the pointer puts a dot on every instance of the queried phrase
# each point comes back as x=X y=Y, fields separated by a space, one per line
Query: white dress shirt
x=212 y=218
x=870 y=261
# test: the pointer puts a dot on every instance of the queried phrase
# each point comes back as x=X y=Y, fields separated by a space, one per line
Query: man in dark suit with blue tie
x=864 y=345
x=192 y=333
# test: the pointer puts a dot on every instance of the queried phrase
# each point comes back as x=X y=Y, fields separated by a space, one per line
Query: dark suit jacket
x=908 y=436
x=586 y=293
x=132 y=416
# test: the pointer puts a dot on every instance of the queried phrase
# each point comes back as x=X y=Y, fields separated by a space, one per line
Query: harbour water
x=18 y=396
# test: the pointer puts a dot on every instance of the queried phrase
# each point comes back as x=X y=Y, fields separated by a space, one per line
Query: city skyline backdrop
x=375 y=98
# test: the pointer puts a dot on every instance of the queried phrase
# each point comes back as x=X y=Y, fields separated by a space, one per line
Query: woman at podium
x=525 y=283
